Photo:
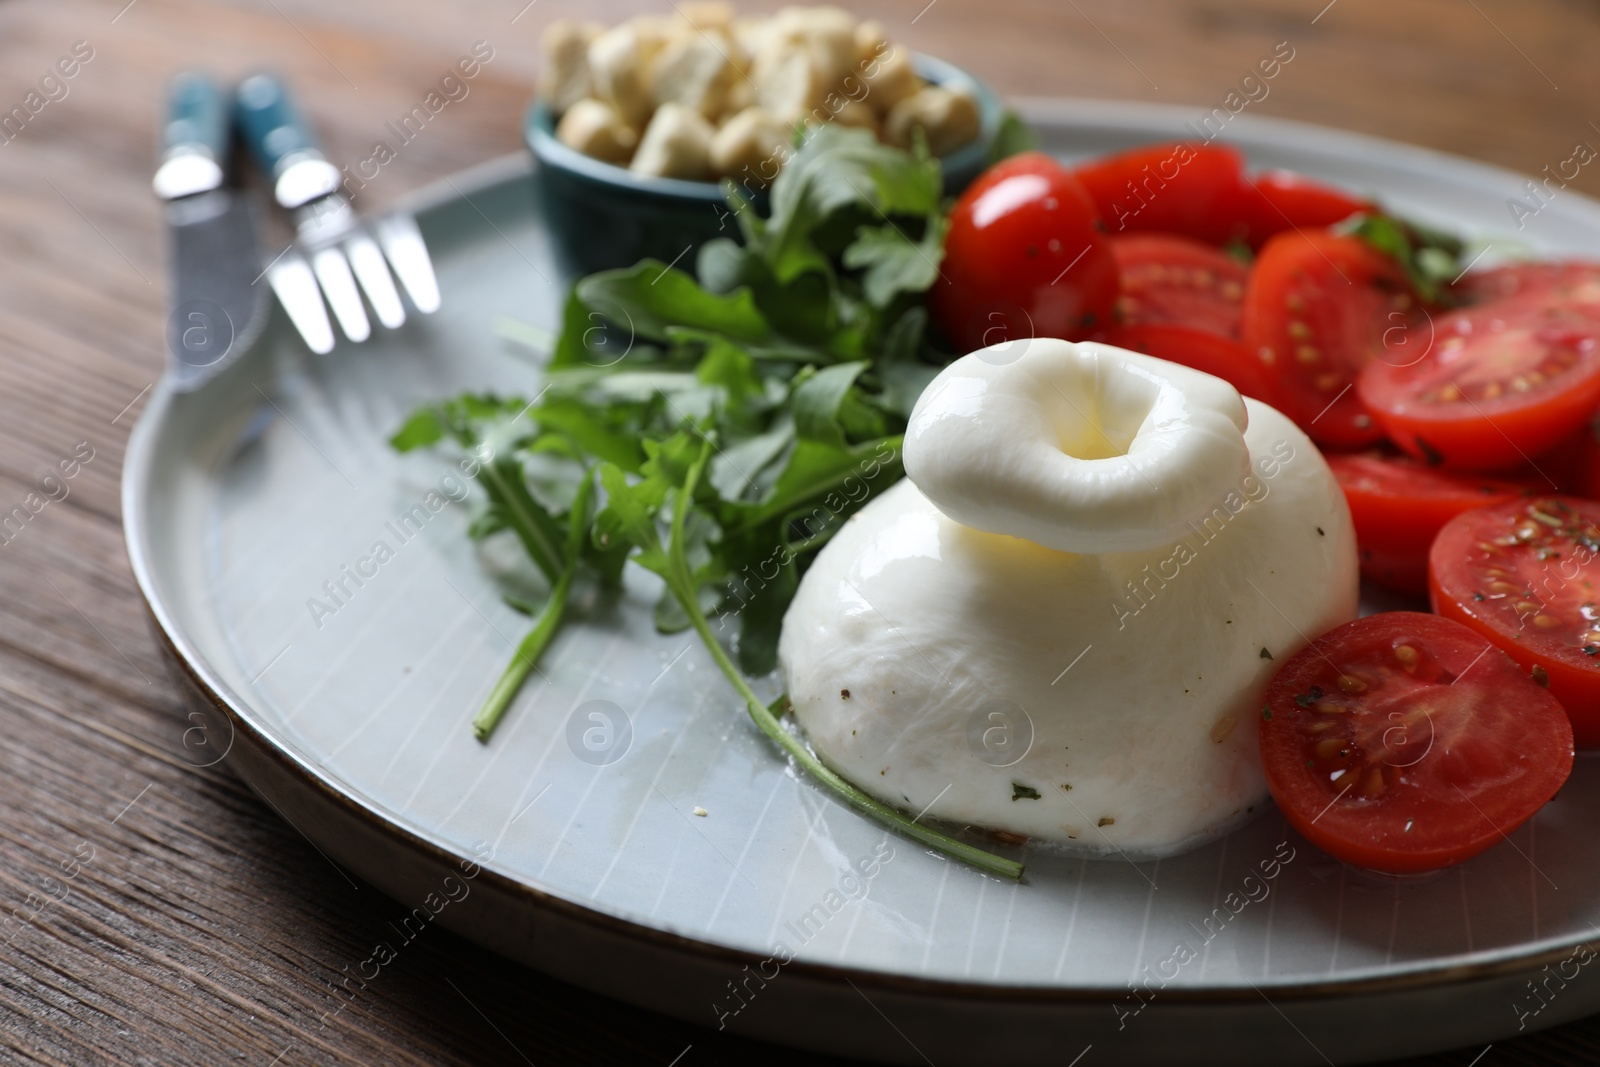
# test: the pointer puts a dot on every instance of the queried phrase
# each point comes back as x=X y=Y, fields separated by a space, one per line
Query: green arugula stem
x=526 y=655
x=545 y=626
x=512 y=499
x=681 y=581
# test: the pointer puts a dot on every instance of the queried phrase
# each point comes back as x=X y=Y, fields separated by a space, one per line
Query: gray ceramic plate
x=246 y=503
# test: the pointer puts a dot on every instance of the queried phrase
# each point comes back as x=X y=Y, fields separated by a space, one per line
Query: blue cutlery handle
x=197 y=118
x=273 y=128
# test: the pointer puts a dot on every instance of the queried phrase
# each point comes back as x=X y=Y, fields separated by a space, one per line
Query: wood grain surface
x=155 y=913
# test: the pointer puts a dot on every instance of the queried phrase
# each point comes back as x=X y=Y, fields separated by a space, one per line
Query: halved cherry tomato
x=1523 y=574
x=1318 y=308
x=1405 y=572
x=1201 y=350
x=1574 y=280
x=1571 y=466
x=1171 y=188
x=1176 y=281
x=1499 y=383
x=1280 y=200
x=1399 y=504
x=1583 y=479
x=1404 y=742
x=1026 y=256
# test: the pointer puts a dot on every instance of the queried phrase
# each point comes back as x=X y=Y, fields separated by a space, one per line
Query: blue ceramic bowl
x=604 y=216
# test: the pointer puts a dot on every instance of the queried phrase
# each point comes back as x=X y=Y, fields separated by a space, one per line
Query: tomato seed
x=1349 y=683
x=1407 y=656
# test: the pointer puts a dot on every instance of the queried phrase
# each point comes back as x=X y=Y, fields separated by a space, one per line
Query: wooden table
x=156 y=913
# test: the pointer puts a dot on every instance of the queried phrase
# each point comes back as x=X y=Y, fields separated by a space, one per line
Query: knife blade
x=215 y=308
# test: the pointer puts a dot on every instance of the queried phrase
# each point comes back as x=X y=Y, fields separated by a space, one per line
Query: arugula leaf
x=894 y=263
x=723 y=266
x=903 y=383
x=1013 y=138
x=840 y=169
x=651 y=297
x=422 y=429
x=761 y=620
x=590 y=432
x=466 y=419
x=817 y=399
x=629 y=516
x=907 y=184
x=1431 y=259
x=741 y=469
x=818 y=474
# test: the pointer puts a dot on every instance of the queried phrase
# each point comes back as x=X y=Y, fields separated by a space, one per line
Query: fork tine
x=339 y=286
x=408 y=254
x=291 y=278
x=373 y=274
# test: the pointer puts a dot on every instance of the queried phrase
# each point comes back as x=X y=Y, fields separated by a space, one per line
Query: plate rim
x=138 y=465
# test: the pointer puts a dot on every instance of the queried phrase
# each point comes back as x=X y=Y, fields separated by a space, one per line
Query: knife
x=334 y=251
x=216 y=309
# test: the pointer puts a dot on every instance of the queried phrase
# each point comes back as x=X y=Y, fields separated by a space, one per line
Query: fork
x=333 y=248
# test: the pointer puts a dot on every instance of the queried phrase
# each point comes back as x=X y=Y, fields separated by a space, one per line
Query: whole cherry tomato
x=1026 y=256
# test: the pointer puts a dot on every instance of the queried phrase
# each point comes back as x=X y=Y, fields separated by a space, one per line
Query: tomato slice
x=1280 y=200
x=1523 y=574
x=1498 y=383
x=1399 y=504
x=1318 y=308
x=1170 y=188
x=1202 y=350
x=1026 y=256
x=1403 y=743
x=1176 y=281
